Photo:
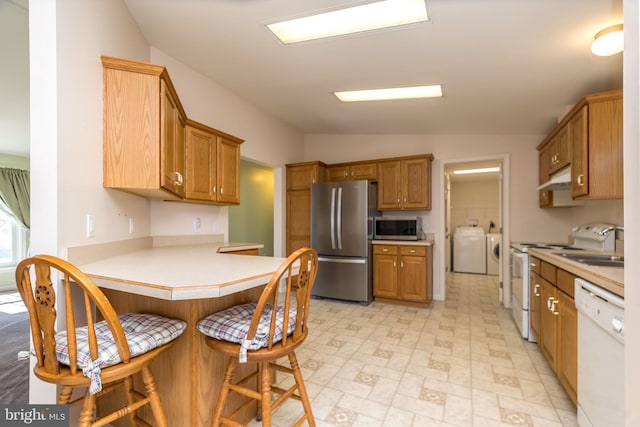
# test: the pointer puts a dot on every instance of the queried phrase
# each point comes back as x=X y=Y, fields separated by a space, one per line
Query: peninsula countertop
x=183 y=272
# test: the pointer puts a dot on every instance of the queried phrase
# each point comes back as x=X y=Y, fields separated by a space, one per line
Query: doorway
x=252 y=220
x=475 y=197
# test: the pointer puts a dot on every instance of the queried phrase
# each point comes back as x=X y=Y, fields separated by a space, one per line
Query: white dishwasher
x=600 y=356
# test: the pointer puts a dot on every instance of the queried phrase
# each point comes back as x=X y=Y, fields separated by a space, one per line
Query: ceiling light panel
x=382 y=14
x=433 y=91
x=479 y=170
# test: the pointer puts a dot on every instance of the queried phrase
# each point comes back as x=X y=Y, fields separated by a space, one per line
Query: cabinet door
x=562 y=149
x=301 y=177
x=534 y=304
x=298 y=219
x=385 y=276
x=416 y=188
x=568 y=345
x=605 y=149
x=580 y=153
x=412 y=279
x=367 y=171
x=337 y=173
x=228 y=173
x=201 y=165
x=172 y=143
x=389 y=185
x=549 y=323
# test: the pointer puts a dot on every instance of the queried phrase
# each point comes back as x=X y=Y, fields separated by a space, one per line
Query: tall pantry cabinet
x=300 y=176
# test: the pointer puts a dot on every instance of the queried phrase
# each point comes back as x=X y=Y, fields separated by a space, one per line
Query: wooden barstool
x=255 y=333
x=102 y=356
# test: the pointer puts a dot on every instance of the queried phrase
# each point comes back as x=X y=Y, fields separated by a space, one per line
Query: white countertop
x=183 y=272
x=609 y=278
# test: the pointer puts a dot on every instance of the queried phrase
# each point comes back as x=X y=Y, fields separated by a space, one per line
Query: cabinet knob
x=401 y=264
x=213 y=190
x=385 y=250
x=178 y=178
x=221 y=190
x=580 y=180
x=535 y=290
x=413 y=251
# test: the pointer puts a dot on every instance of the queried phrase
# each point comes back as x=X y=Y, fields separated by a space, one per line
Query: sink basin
x=596 y=260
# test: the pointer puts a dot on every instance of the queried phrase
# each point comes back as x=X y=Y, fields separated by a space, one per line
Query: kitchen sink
x=596 y=260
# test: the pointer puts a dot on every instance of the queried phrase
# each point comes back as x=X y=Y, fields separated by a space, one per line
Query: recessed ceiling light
x=382 y=14
x=432 y=91
x=480 y=170
x=608 y=41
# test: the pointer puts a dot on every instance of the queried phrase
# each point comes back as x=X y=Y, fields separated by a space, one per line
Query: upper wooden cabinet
x=151 y=149
x=213 y=165
x=144 y=130
x=300 y=176
x=405 y=183
x=596 y=135
x=556 y=154
x=589 y=138
x=353 y=171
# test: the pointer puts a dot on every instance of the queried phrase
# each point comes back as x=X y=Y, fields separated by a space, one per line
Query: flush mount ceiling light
x=382 y=14
x=480 y=170
x=608 y=41
x=433 y=91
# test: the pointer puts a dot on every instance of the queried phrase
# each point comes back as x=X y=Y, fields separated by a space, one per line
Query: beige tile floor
x=459 y=362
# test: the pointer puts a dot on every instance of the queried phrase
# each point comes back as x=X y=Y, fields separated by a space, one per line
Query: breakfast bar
x=186 y=282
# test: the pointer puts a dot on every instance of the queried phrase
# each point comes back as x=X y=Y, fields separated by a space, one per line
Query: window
x=13 y=241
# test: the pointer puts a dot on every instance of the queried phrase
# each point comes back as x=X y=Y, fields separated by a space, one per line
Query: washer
x=493 y=253
x=469 y=250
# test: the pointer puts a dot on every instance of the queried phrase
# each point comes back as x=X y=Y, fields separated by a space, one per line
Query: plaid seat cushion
x=144 y=332
x=233 y=324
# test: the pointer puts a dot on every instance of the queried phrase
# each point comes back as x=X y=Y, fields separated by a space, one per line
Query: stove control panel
x=596 y=236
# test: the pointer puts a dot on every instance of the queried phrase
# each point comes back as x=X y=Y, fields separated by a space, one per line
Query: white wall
x=475 y=199
x=631 y=209
x=67 y=38
x=266 y=141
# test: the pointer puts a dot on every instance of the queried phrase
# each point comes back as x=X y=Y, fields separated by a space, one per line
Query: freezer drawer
x=344 y=278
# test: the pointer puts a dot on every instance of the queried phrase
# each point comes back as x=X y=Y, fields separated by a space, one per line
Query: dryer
x=469 y=250
x=493 y=253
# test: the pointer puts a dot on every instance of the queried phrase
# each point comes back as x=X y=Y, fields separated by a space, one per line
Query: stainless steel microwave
x=398 y=228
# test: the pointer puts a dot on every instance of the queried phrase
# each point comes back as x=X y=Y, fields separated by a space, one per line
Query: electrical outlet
x=197 y=225
x=90 y=226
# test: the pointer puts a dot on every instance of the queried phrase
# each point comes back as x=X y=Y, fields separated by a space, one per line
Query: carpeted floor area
x=14 y=337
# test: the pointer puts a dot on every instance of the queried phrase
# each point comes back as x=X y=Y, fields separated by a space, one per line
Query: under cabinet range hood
x=559 y=181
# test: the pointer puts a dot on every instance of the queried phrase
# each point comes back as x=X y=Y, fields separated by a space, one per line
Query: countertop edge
x=608 y=278
x=427 y=242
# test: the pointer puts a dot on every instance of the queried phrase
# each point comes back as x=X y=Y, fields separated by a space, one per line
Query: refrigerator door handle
x=333 y=218
x=339 y=218
x=343 y=260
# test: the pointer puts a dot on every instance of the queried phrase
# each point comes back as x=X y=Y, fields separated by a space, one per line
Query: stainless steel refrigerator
x=341 y=231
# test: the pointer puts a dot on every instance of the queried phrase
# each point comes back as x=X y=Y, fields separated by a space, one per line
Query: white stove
x=595 y=237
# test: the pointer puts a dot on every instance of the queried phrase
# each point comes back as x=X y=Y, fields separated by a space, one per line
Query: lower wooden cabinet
x=534 y=304
x=549 y=323
x=568 y=345
x=403 y=273
x=554 y=319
